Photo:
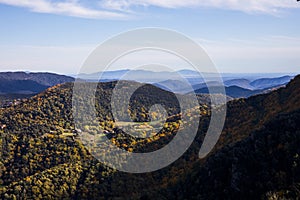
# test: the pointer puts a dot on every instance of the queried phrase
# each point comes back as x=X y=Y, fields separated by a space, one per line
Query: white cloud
x=124 y=9
x=68 y=8
x=249 y=6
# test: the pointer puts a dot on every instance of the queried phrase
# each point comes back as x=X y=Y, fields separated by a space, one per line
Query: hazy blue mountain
x=232 y=91
x=183 y=87
x=32 y=83
x=257 y=84
x=270 y=82
x=243 y=83
x=235 y=88
x=204 y=85
x=108 y=75
x=247 y=81
x=189 y=73
x=145 y=75
x=173 y=85
x=238 y=88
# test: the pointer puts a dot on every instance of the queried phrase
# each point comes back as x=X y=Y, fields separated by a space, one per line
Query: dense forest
x=257 y=156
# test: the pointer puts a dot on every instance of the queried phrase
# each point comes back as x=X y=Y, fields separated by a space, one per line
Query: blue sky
x=240 y=36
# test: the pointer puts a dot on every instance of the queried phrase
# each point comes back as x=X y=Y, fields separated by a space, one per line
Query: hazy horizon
x=222 y=73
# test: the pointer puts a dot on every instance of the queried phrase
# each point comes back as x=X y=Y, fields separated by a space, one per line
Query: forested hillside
x=256 y=156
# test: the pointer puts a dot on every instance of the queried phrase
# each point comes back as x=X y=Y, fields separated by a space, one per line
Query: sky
x=245 y=36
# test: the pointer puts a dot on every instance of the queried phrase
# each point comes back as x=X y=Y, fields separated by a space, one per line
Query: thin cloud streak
x=69 y=8
x=272 y=7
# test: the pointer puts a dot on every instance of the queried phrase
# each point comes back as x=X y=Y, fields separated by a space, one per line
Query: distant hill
x=232 y=91
x=236 y=88
x=47 y=79
x=174 y=85
x=257 y=84
x=20 y=87
x=270 y=82
x=243 y=83
x=244 y=88
x=29 y=83
x=204 y=85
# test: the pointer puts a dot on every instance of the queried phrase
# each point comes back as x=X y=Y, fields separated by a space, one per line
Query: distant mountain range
x=192 y=76
x=236 y=86
x=144 y=76
x=243 y=88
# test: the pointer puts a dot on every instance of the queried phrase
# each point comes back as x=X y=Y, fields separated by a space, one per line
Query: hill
x=243 y=83
x=265 y=165
x=260 y=83
x=40 y=150
x=251 y=114
x=257 y=156
x=270 y=82
x=29 y=83
x=46 y=79
x=231 y=91
x=20 y=85
x=173 y=85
